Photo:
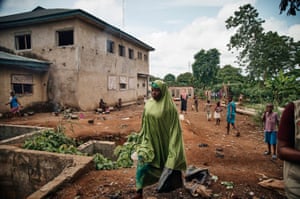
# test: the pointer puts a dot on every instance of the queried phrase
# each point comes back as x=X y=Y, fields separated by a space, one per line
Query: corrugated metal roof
x=42 y=15
x=7 y=59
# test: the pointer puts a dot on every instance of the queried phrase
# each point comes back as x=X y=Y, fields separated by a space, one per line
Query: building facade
x=90 y=59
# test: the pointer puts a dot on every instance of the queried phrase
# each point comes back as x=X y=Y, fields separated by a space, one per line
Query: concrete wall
x=39 y=87
x=36 y=174
x=22 y=172
x=79 y=73
x=9 y=131
x=105 y=148
x=176 y=91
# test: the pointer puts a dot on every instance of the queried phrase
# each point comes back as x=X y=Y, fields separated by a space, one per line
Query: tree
x=185 y=79
x=294 y=6
x=205 y=67
x=229 y=74
x=284 y=88
x=248 y=33
x=262 y=54
x=272 y=54
x=170 y=79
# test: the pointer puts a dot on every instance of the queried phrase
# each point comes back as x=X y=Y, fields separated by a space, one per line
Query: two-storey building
x=88 y=59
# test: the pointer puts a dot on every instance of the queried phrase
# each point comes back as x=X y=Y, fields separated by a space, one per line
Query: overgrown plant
x=53 y=141
x=123 y=152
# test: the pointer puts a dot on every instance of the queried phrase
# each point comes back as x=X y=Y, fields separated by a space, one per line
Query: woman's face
x=156 y=94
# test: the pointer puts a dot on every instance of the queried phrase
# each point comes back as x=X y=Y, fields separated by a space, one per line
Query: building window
x=123 y=83
x=65 y=37
x=130 y=53
x=23 y=41
x=121 y=50
x=110 y=46
x=112 y=83
x=145 y=57
x=140 y=55
x=22 y=84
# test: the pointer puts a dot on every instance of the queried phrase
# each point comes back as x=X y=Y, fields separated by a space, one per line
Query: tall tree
x=205 y=67
x=229 y=74
x=272 y=54
x=263 y=54
x=170 y=79
x=249 y=31
x=185 y=79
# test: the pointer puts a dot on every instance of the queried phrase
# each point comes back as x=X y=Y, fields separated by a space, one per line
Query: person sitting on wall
x=119 y=104
x=103 y=106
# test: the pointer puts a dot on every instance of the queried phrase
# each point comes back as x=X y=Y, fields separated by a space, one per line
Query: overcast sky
x=177 y=29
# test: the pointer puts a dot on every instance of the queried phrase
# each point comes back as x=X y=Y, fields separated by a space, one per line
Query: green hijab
x=160 y=140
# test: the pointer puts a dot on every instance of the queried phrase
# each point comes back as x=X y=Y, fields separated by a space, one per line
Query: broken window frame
x=121 y=50
x=62 y=37
x=110 y=46
x=23 y=41
x=22 y=83
x=130 y=53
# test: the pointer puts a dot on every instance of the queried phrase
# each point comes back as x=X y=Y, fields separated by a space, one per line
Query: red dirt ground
x=243 y=163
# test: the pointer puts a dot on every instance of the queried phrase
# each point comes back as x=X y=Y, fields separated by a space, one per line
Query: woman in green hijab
x=160 y=145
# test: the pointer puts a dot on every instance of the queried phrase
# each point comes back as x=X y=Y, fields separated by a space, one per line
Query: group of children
x=217 y=111
x=270 y=121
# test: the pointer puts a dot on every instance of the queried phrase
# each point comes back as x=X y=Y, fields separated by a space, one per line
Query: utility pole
x=123 y=14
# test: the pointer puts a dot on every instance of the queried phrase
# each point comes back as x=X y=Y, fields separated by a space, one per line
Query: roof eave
x=73 y=14
x=36 y=66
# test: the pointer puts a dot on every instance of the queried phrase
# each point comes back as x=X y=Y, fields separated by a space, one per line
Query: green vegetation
x=267 y=68
x=52 y=141
x=56 y=141
x=123 y=152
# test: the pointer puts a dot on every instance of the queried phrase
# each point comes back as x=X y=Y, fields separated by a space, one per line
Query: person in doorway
x=160 y=144
x=183 y=99
x=289 y=148
x=207 y=107
x=14 y=103
x=230 y=116
x=270 y=121
x=217 y=113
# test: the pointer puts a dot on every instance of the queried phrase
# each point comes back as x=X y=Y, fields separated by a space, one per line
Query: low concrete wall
x=9 y=131
x=106 y=148
x=35 y=174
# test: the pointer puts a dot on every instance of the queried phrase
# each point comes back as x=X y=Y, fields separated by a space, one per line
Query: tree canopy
x=205 y=67
x=291 y=5
x=262 y=54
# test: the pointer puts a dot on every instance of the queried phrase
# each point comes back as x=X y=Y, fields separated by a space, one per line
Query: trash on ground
x=197 y=181
x=228 y=184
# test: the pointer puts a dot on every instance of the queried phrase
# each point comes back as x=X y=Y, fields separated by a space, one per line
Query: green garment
x=160 y=142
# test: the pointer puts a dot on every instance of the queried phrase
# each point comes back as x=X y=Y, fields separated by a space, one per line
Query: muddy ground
x=241 y=161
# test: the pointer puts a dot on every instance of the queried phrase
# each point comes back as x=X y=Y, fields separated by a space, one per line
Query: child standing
x=217 y=113
x=196 y=102
x=270 y=121
x=207 y=109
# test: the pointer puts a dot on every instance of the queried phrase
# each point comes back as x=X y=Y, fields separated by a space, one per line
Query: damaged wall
x=79 y=73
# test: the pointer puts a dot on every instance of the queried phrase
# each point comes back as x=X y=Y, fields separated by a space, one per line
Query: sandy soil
x=243 y=163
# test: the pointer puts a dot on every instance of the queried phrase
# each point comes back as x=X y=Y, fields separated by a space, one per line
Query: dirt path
x=243 y=163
